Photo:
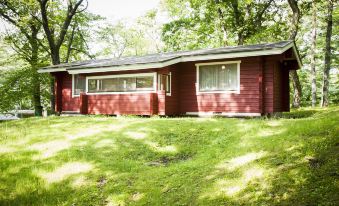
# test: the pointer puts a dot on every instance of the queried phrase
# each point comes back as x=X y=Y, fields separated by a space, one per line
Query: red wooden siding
x=69 y=103
x=276 y=85
x=264 y=88
x=58 y=90
x=139 y=104
x=281 y=89
x=269 y=65
x=63 y=93
x=246 y=101
x=171 y=101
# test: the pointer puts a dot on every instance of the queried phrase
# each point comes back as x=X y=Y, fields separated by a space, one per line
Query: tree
x=28 y=40
x=327 y=50
x=244 y=18
x=312 y=54
x=25 y=42
x=140 y=38
x=297 y=90
x=215 y=23
x=56 y=33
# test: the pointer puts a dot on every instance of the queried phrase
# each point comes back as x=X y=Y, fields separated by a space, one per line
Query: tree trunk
x=56 y=43
x=293 y=73
x=313 y=48
x=296 y=89
x=36 y=93
x=326 y=73
x=240 y=38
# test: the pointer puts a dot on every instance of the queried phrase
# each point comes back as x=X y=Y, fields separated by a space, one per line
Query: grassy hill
x=98 y=160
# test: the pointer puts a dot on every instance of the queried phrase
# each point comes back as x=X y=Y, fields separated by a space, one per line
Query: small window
x=79 y=84
x=218 y=77
x=165 y=82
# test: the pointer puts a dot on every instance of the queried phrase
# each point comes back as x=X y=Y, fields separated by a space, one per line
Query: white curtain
x=222 y=77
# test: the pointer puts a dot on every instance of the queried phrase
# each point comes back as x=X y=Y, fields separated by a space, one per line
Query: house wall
x=276 y=80
x=264 y=88
x=64 y=99
x=171 y=101
x=120 y=104
x=247 y=101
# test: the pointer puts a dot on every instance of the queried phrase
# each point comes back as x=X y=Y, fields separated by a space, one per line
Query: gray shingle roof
x=162 y=57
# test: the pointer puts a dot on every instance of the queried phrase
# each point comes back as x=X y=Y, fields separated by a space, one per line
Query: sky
x=115 y=10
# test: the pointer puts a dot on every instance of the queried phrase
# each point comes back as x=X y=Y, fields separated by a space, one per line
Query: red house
x=233 y=81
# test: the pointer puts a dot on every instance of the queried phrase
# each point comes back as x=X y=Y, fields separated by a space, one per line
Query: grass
x=97 y=160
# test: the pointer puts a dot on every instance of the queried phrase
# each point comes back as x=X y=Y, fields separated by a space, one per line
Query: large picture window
x=218 y=77
x=121 y=83
x=79 y=84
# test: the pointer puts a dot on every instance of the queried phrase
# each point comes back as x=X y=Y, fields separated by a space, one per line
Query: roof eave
x=274 y=51
x=50 y=70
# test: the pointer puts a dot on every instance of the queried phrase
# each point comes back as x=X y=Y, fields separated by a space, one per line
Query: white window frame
x=237 y=91
x=73 y=87
x=169 y=75
x=169 y=85
x=152 y=74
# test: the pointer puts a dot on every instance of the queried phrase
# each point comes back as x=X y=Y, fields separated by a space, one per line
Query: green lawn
x=98 y=160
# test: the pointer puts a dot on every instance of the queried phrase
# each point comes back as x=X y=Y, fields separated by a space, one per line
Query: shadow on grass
x=300 y=167
x=299 y=114
x=175 y=162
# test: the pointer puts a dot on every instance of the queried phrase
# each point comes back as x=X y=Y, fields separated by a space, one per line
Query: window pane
x=127 y=84
x=109 y=85
x=168 y=83
x=79 y=84
x=92 y=85
x=121 y=84
x=218 y=77
x=145 y=83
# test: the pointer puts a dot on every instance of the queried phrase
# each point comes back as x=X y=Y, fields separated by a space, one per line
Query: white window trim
x=152 y=74
x=237 y=91
x=170 y=84
x=73 y=88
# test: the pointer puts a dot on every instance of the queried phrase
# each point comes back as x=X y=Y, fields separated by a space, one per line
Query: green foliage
x=16 y=88
x=12 y=90
x=122 y=39
x=78 y=38
x=97 y=160
x=32 y=51
x=201 y=24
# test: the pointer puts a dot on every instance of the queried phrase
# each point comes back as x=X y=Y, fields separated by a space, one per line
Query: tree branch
x=71 y=11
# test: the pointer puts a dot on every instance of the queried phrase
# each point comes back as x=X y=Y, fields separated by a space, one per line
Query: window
x=164 y=84
x=79 y=84
x=121 y=83
x=218 y=77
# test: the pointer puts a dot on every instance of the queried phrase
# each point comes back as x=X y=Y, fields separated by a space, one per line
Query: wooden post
x=154 y=104
x=58 y=92
x=161 y=102
x=261 y=86
x=83 y=103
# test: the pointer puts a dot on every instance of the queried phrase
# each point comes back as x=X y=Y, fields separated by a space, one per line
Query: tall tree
x=327 y=67
x=297 y=92
x=26 y=43
x=55 y=33
x=312 y=53
x=215 y=23
x=244 y=18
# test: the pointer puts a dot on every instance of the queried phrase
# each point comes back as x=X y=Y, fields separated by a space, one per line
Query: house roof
x=165 y=59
